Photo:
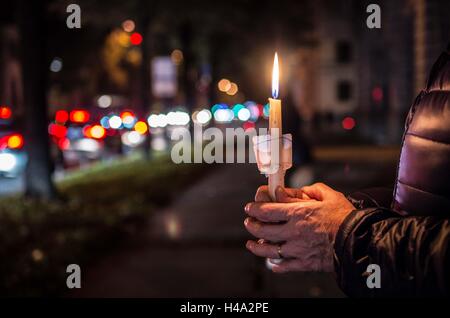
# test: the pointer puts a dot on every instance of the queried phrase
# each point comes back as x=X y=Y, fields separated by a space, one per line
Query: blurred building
x=372 y=74
x=431 y=34
x=11 y=92
x=337 y=67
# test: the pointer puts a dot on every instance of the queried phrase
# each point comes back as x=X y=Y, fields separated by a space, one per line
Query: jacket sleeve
x=412 y=253
x=372 y=197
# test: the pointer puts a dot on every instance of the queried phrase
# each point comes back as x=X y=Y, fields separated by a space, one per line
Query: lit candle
x=276 y=178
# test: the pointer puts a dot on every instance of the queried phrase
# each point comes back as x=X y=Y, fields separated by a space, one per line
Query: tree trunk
x=145 y=70
x=33 y=32
x=188 y=78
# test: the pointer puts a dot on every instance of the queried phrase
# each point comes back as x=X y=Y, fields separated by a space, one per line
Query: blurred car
x=79 y=152
x=13 y=158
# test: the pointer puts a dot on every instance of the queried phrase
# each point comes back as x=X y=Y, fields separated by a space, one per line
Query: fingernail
x=246 y=221
x=274 y=261
x=248 y=244
x=247 y=207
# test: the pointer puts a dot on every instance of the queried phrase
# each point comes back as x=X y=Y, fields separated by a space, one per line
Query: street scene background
x=89 y=99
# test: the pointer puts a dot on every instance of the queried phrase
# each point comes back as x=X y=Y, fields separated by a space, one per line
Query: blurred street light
x=128 y=26
x=136 y=38
x=141 y=127
x=56 y=65
x=177 y=57
x=348 y=123
x=233 y=89
x=115 y=122
x=224 y=85
x=104 y=101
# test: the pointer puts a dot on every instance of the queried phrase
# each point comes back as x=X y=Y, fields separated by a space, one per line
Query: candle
x=276 y=178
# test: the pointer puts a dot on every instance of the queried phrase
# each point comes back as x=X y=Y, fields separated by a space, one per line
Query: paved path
x=195 y=248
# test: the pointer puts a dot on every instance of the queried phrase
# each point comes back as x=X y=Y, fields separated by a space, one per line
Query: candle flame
x=275 y=77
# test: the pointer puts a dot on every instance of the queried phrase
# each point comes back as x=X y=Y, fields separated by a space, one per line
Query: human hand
x=302 y=225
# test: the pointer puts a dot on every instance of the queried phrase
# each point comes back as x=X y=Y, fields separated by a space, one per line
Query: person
x=406 y=232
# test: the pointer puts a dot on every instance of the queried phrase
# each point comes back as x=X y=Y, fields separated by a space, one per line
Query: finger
x=305 y=196
x=262 y=194
x=263 y=248
x=295 y=248
x=268 y=231
x=286 y=195
x=317 y=191
x=268 y=211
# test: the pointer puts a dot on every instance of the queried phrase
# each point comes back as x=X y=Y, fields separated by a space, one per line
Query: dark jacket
x=406 y=232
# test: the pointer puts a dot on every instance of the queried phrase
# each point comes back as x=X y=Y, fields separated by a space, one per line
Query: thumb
x=283 y=196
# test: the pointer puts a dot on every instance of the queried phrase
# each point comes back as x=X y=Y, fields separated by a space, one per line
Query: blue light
x=237 y=108
x=266 y=110
x=105 y=122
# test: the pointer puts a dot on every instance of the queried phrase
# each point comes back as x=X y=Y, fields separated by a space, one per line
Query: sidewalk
x=196 y=248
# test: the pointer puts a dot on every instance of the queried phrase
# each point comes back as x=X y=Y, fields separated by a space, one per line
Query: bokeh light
x=348 y=123
x=223 y=115
x=104 y=101
x=266 y=110
x=233 y=89
x=61 y=116
x=136 y=38
x=224 y=85
x=177 y=57
x=115 y=122
x=128 y=26
x=5 y=112
x=243 y=114
x=97 y=132
x=157 y=120
x=141 y=127
x=56 y=65
x=79 y=116
x=377 y=94
x=15 y=141
x=203 y=117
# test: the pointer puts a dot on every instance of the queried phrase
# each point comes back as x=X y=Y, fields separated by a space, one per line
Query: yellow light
x=224 y=85
x=123 y=38
x=141 y=127
x=134 y=56
x=233 y=89
x=97 y=132
x=275 y=77
x=15 y=142
x=177 y=57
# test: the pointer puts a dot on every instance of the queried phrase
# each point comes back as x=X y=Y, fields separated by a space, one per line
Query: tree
x=33 y=31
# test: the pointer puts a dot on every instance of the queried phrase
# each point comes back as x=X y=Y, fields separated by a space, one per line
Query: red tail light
x=57 y=131
x=5 y=112
x=14 y=141
x=79 y=116
x=61 y=116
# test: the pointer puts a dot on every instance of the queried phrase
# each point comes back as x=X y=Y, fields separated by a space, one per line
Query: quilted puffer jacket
x=406 y=232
